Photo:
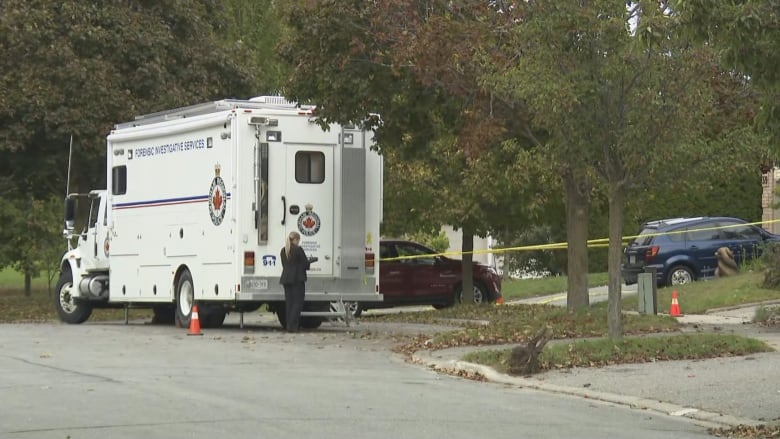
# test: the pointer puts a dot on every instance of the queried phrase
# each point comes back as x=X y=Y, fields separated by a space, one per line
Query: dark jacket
x=294 y=268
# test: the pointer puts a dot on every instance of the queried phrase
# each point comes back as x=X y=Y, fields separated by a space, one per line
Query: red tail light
x=369 y=262
x=651 y=253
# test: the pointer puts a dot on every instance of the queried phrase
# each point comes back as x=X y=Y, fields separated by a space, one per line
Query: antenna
x=70 y=155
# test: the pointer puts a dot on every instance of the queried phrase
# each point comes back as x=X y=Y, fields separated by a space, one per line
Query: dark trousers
x=293 y=298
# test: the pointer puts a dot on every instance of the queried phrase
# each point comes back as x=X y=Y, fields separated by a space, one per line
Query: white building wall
x=769 y=182
x=481 y=245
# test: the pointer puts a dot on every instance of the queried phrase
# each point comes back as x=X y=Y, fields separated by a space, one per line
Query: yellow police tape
x=591 y=243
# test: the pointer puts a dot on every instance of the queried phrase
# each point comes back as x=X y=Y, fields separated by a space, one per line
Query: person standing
x=294 y=266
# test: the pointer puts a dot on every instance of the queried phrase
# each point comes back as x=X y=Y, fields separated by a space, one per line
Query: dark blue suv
x=682 y=250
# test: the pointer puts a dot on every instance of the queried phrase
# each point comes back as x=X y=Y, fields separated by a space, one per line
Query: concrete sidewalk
x=714 y=392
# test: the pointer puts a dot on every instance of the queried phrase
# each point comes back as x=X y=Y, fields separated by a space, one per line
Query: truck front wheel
x=68 y=308
x=185 y=297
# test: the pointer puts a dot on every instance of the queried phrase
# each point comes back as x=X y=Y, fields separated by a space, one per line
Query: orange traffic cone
x=194 y=322
x=500 y=301
x=674 y=310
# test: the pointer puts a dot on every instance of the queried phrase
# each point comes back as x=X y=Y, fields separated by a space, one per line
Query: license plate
x=257 y=284
x=632 y=259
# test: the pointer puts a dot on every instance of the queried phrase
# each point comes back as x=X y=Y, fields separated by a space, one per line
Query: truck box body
x=214 y=189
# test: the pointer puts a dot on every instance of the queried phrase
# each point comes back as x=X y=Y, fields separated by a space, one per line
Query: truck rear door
x=308 y=202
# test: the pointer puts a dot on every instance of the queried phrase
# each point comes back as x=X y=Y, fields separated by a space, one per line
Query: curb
x=746 y=305
x=704 y=418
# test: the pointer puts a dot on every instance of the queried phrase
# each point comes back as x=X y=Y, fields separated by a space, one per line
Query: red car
x=428 y=280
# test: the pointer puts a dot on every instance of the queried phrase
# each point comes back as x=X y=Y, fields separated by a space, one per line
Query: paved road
x=735 y=390
x=101 y=380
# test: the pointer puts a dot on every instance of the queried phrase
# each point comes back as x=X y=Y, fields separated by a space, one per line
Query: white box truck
x=199 y=201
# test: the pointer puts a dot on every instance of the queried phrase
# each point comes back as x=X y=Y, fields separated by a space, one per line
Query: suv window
x=646 y=236
x=677 y=235
x=703 y=232
x=740 y=231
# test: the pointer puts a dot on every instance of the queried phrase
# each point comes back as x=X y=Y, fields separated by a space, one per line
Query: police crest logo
x=217 y=197
x=309 y=221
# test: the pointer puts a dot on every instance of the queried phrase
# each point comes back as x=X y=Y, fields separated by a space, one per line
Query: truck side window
x=309 y=167
x=119 y=180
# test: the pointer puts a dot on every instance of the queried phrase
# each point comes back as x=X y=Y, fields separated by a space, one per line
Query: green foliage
x=747 y=36
x=76 y=68
x=31 y=240
x=254 y=29
x=440 y=130
x=436 y=240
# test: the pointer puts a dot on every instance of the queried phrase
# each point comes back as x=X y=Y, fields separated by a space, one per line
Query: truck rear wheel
x=313 y=322
x=212 y=316
x=68 y=308
x=185 y=297
x=164 y=315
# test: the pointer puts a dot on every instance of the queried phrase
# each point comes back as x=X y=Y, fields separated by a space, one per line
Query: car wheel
x=69 y=309
x=480 y=294
x=679 y=275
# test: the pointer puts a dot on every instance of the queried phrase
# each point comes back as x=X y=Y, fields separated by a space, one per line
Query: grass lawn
x=15 y=307
x=12 y=280
x=698 y=297
x=525 y=288
x=603 y=352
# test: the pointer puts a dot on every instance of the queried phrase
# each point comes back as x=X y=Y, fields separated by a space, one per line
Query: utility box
x=647 y=293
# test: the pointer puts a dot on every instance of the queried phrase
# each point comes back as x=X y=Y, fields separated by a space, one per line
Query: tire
x=212 y=316
x=311 y=322
x=480 y=294
x=164 y=315
x=70 y=310
x=279 y=309
x=314 y=322
x=679 y=275
x=354 y=308
x=185 y=297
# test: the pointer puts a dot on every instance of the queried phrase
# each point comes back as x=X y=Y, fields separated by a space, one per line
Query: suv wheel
x=679 y=275
x=480 y=293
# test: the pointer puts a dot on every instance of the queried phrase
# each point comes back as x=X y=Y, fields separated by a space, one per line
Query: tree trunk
x=467 y=246
x=27 y=284
x=617 y=198
x=577 y=210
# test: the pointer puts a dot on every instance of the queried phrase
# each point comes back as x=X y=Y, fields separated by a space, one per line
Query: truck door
x=309 y=202
x=95 y=239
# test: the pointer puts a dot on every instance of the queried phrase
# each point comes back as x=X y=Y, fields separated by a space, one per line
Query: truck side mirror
x=70 y=214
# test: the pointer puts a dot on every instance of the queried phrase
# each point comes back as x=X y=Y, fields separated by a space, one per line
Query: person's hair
x=293 y=236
